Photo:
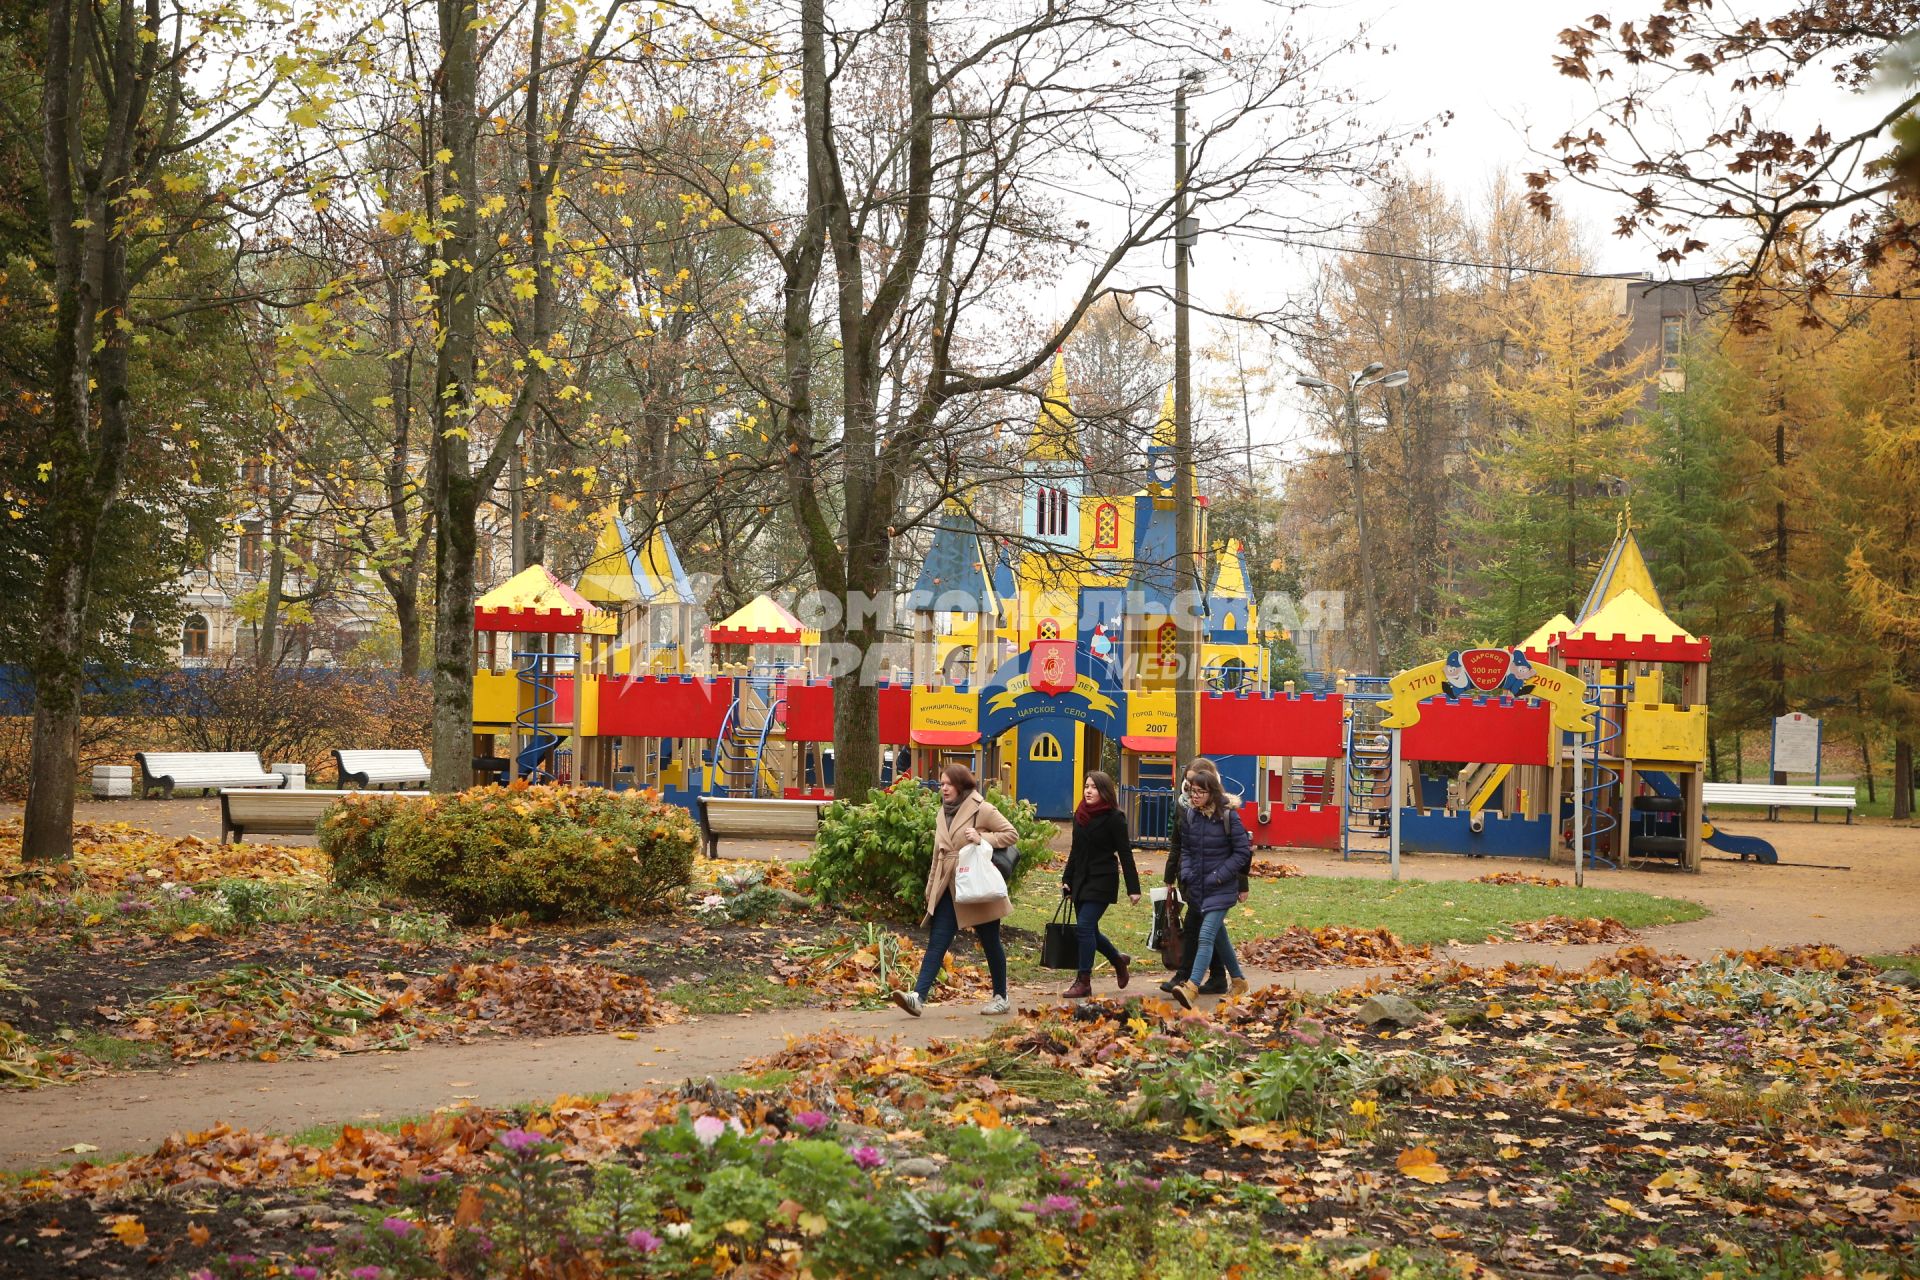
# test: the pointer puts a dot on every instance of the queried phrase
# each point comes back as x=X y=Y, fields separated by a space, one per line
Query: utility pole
x=1374 y=660
x=1356 y=383
x=1186 y=578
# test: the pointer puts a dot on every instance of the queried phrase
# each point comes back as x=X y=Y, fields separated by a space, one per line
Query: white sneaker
x=910 y=1001
x=996 y=1007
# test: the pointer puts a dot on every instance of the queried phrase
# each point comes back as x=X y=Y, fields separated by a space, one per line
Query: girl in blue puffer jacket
x=1215 y=852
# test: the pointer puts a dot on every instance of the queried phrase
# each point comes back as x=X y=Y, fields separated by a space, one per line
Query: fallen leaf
x=1422 y=1165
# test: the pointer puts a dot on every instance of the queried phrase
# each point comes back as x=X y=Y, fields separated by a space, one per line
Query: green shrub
x=549 y=853
x=875 y=856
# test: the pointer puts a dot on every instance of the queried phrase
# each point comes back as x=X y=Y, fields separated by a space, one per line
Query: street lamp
x=1356 y=383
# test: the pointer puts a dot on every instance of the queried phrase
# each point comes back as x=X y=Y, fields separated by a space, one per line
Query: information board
x=1796 y=744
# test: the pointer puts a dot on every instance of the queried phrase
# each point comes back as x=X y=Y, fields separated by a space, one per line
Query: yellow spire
x=1054 y=436
x=608 y=579
x=1163 y=429
x=1624 y=569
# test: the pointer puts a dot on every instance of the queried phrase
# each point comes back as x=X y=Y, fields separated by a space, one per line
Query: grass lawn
x=1418 y=911
x=1910 y=963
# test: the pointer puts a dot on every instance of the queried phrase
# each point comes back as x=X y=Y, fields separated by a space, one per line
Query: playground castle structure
x=1034 y=659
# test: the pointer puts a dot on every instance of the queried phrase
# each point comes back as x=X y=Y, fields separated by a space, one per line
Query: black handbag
x=1060 y=948
x=1168 y=939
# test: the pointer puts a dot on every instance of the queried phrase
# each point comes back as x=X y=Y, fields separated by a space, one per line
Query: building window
x=252 y=557
x=1167 y=644
x=193 y=637
x=1050 y=512
x=1045 y=747
x=1049 y=629
x=1672 y=330
x=1106 y=527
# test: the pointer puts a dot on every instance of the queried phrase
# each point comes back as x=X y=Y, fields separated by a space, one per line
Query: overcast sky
x=1490 y=62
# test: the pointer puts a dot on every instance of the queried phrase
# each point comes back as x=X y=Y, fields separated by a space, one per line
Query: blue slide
x=1725 y=841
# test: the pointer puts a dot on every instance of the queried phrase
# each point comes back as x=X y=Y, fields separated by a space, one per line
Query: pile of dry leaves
x=106 y=854
x=1267 y=869
x=1521 y=877
x=1300 y=947
x=254 y=1012
x=1564 y=930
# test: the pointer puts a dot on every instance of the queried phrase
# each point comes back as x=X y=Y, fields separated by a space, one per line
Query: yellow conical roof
x=1624 y=569
x=1055 y=438
x=761 y=620
x=1631 y=615
x=1230 y=581
x=608 y=578
x=1163 y=430
x=1549 y=631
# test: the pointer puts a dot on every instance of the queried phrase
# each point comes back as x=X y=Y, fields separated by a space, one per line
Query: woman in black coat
x=1101 y=851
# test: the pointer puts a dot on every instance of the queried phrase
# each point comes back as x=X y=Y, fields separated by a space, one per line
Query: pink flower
x=812 y=1121
x=398 y=1226
x=708 y=1129
x=519 y=1141
x=643 y=1241
x=866 y=1157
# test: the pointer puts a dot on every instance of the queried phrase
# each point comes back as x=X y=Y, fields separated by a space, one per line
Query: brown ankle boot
x=1122 y=971
x=1082 y=987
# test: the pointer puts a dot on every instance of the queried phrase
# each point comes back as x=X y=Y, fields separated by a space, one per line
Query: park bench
x=163 y=771
x=1772 y=797
x=279 y=813
x=395 y=769
x=746 y=818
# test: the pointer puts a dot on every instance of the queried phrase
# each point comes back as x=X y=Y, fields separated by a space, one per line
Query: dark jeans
x=946 y=925
x=1087 y=928
x=1190 y=945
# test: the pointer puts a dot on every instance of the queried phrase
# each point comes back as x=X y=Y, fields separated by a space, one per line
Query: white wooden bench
x=395 y=769
x=1771 y=797
x=745 y=818
x=279 y=813
x=163 y=771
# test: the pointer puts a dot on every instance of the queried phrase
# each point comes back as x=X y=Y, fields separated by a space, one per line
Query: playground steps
x=741 y=767
x=1367 y=812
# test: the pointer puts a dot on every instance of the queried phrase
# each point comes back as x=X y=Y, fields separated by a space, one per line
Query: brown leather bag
x=1167 y=936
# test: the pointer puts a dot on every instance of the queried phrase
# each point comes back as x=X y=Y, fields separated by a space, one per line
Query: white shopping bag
x=976 y=879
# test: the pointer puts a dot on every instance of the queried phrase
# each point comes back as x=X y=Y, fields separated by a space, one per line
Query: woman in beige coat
x=964 y=818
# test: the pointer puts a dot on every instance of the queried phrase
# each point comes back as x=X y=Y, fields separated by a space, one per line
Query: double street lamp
x=1371 y=376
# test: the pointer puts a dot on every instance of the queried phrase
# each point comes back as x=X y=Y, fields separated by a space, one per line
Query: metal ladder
x=740 y=749
x=1365 y=812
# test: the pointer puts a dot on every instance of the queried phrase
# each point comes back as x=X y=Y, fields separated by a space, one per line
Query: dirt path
x=1872 y=907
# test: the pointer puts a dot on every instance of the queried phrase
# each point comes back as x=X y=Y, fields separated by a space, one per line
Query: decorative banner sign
x=944 y=718
x=1489 y=671
x=1565 y=693
x=1796 y=744
x=1150 y=724
x=1012 y=694
x=1405 y=690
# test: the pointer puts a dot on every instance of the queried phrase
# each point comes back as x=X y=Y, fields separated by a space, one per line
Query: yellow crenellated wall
x=1660 y=731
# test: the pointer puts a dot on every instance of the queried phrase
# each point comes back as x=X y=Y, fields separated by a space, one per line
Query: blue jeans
x=1214 y=940
x=946 y=925
x=1086 y=928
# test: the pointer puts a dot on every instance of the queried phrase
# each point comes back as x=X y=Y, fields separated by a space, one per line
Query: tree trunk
x=1902 y=778
x=1866 y=741
x=267 y=648
x=456 y=499
x=1777 y=703
x=406 y=616
x=89 y=285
